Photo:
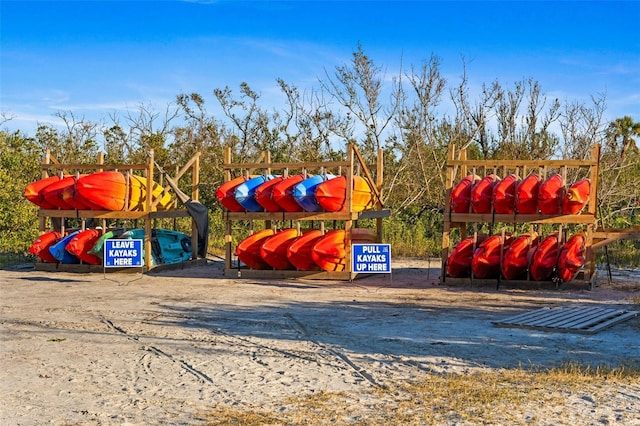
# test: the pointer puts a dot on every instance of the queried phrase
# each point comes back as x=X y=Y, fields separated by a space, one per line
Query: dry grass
x=500 y=397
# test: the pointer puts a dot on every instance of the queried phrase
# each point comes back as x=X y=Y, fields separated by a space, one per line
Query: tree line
x=412 y=117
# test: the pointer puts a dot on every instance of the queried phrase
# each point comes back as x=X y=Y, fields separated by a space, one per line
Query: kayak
x=572 y=257
x=226 y=191
x=52 y=194
x=58 y=250
x=283 y=193
x=305 y=192
x=299 y=251
x=482 y=194
x=504 y=195
x=527 y=194
x=485 y=261
x=459 y=260
x=82 y=242
x=41 y=245
x=331 y=195
x=248 y=250
x=550 y=195
x=518 y=255
x=576 y=197
x=34 y=192
x=116 y=191
x=329 y=251
x=545 y=258
x=264 y=195
x=245 y=193
x=167 y=246
x=461 y=194
x=274 y=249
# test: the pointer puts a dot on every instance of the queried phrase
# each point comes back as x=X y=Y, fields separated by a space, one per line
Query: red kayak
x=459 y=261
x=82 y=242
x=482 y=194
x=545 y=258
x=283 y=193
x=518 y=255
x=264 y=195
x=40 y=246
x=504 y=195
x=274 y=249
x=527 y=194
x=248 y=250
x=576 y=197
x=329 y=251
x=572 y=257
x=299 y=251
x=226 y=193
x=485 y=261
x=53 y=193
x=550 y=195
x=34 y=192
x=461 y=194
x=332 y=194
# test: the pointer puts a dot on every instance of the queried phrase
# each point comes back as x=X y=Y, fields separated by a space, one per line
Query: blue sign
x=371 y=258
x=122 y=253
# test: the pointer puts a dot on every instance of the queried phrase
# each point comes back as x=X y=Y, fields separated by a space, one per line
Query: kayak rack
x=347 y=167
x=56 y=218
x=461 y=225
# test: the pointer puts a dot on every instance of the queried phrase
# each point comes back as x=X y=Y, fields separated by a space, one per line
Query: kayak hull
x=527 y=194
x=299 y=251
x=248 y=250
x=329 y=251
x=331 y=195
x=572 y=257
x=274 y=249
x=460 y=199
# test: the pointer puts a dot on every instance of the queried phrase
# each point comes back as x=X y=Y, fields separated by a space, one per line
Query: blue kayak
x=58 y=251
x=305 y=192
x=245 y=193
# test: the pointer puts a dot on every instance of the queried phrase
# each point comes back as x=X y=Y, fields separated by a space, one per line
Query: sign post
x=371 y=258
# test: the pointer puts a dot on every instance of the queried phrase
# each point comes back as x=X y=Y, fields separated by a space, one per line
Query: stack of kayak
x=297 y=193
x=290 y=249
x=107 y=190
x=87 y=246
x=515 y=258
x=510 y=195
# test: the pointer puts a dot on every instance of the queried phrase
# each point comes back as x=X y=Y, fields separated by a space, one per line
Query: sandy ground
x=162 y=348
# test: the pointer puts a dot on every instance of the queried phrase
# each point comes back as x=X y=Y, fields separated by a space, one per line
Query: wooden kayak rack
x=265 y=165
x=51 y=165
x=458 y=166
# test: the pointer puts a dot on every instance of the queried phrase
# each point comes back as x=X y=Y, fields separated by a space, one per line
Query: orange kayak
x=482 y=193
x=550 y=195
x=72 y=197
x=332 y=194
x=41 y=245
x=518 y=255
x=329 y=251
x=248 y=250
x=283 y=193
x=274 y=249
x=299 y=251
x=572 y=257
x=485 y=261
x=459 y=260
x=461 y=194
x=545 y=258
x=81 y=243
x=264 y=195
x=226 y=194
x=527 y=194
x=34 y=192
x=108 y=190
x=576 y=197
x=504 y=195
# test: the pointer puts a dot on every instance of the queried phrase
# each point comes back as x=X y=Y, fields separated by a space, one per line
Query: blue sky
x=94 y=58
